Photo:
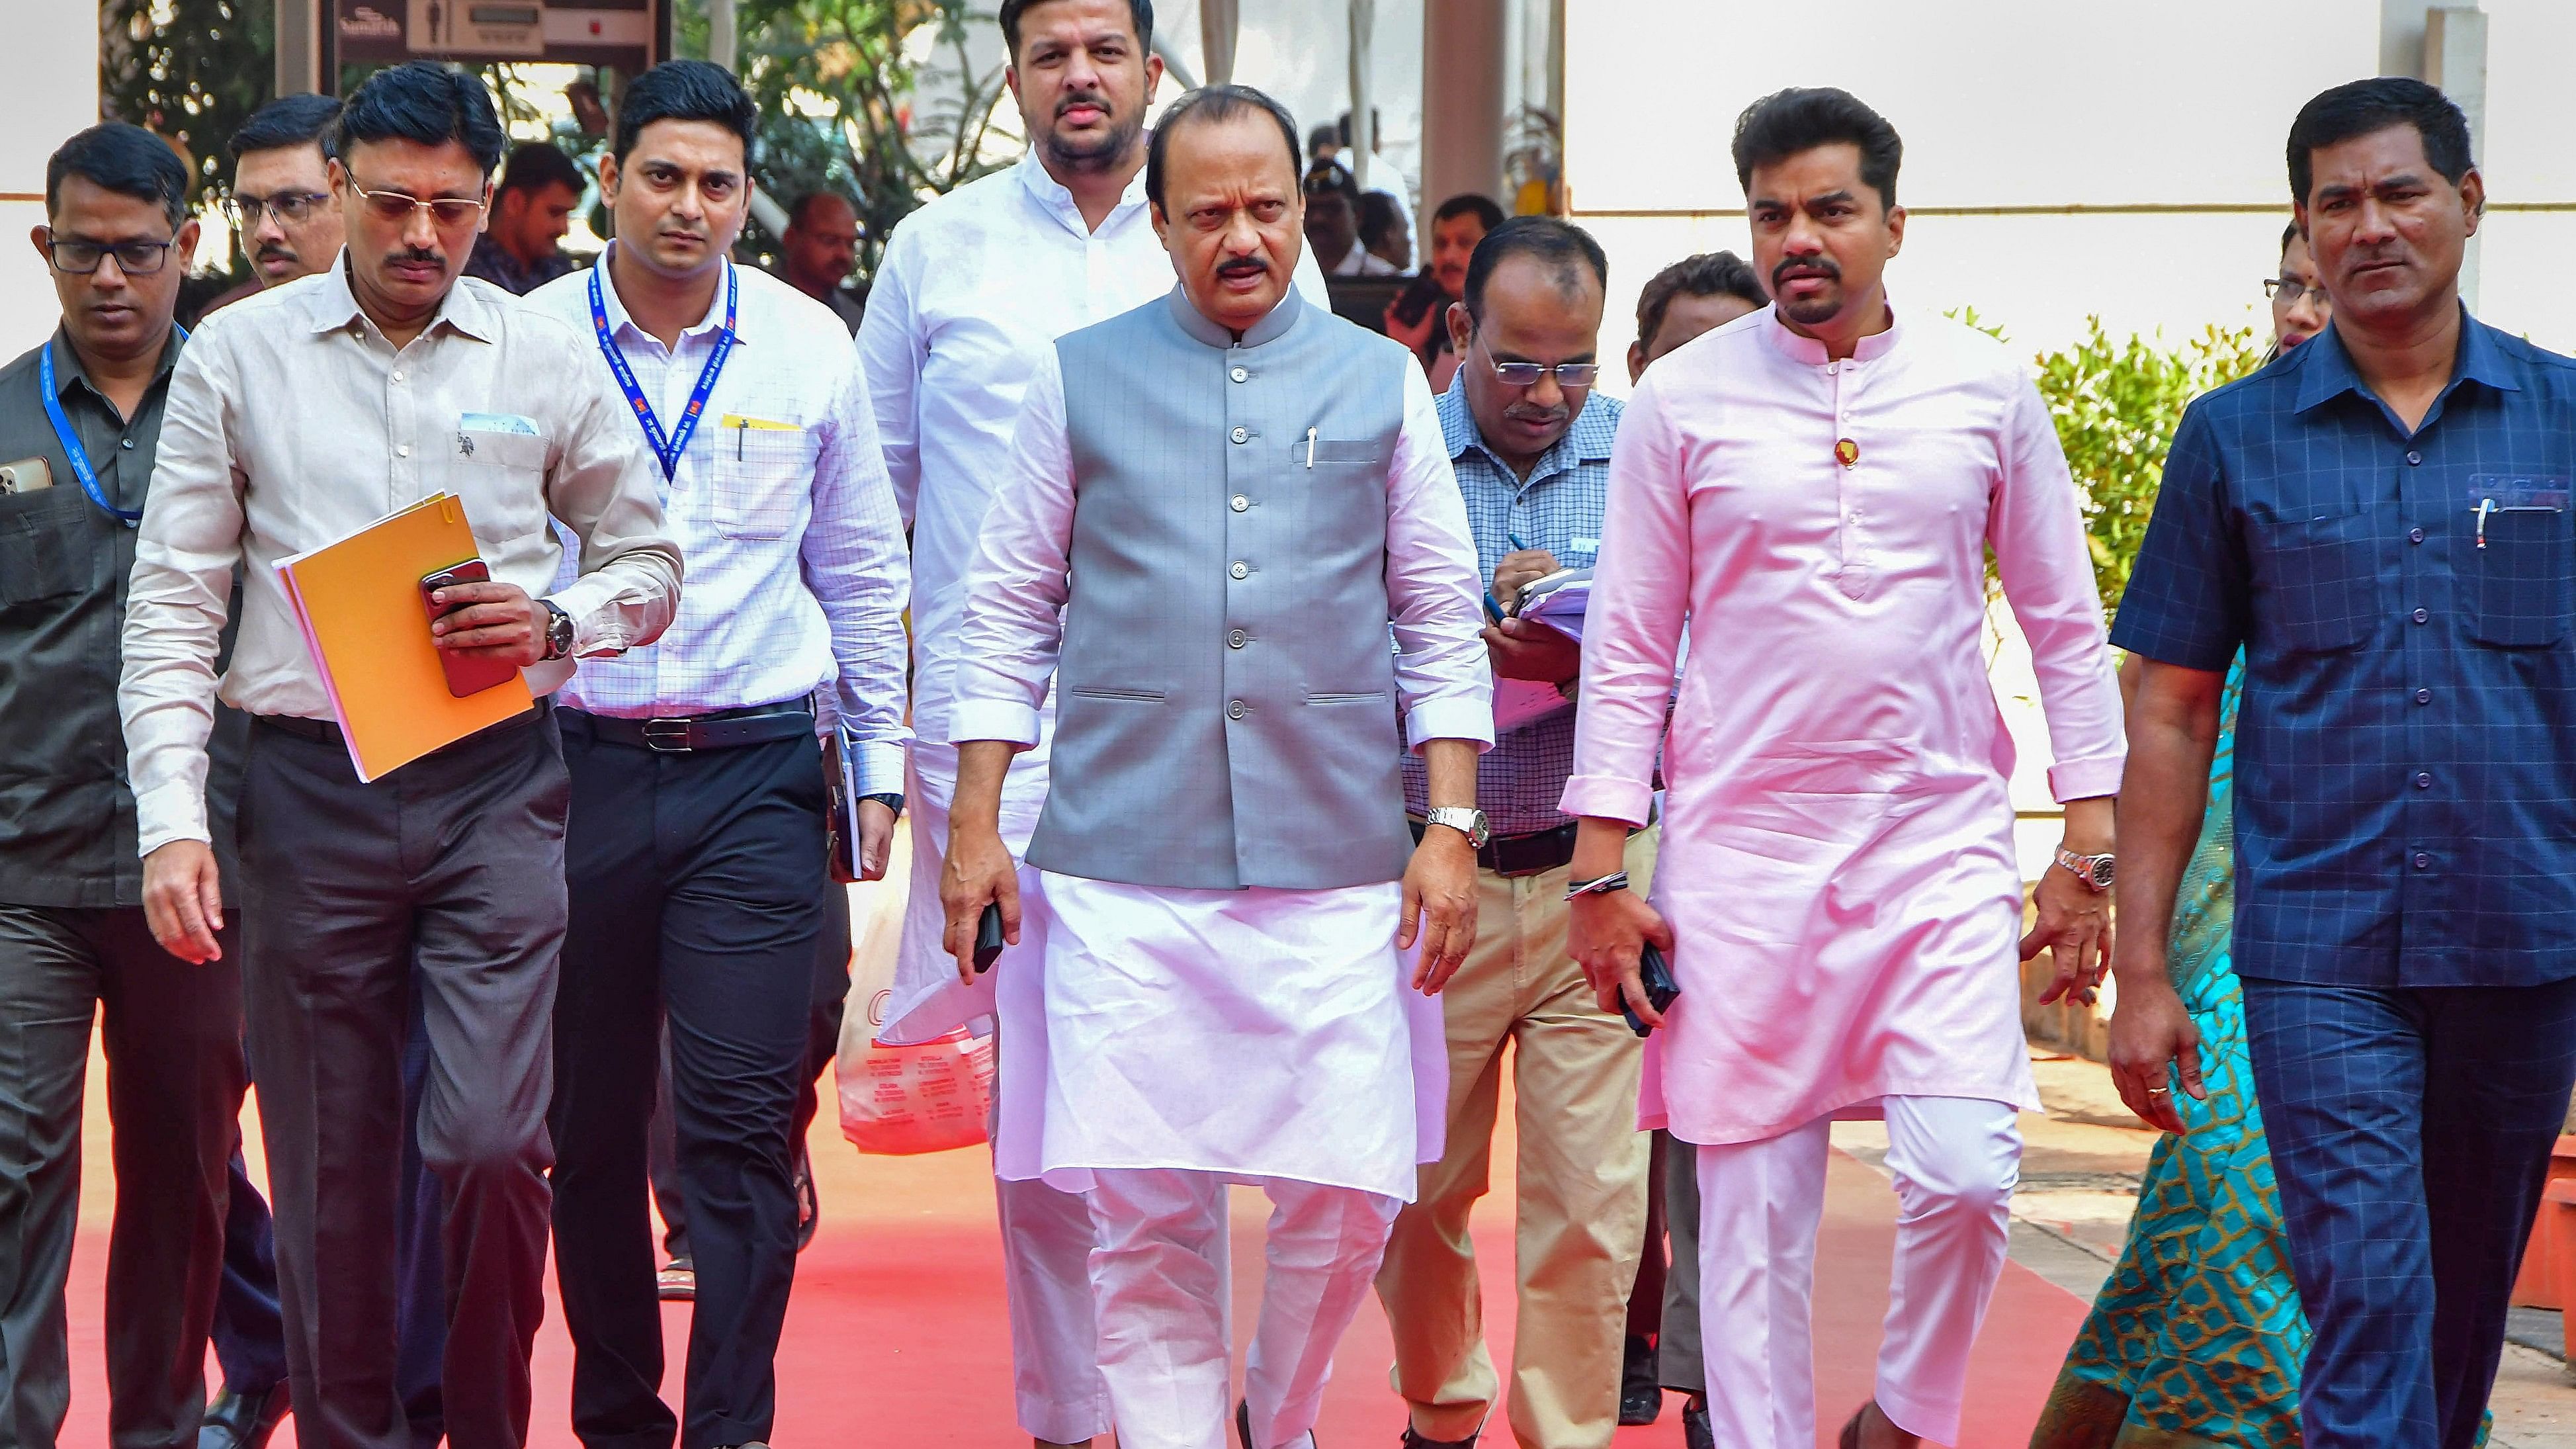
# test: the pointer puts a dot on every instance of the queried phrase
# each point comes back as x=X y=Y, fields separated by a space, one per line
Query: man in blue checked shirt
x=2381 y=519
x=696 y=851
x=1531 y=448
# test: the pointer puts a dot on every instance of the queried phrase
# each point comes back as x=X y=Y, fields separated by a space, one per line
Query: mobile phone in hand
x=1656 y=975
x=988 y=937
x=466 y=674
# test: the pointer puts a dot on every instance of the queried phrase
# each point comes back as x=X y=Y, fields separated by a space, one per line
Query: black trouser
x=174 y=1088
x=450 y=868
x=697 y=893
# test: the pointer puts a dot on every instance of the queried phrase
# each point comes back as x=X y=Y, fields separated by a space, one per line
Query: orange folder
x=368 y=628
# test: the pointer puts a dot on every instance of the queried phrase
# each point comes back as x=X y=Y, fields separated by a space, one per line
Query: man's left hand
x=2074 y=927
x=876 y=839
x=1439 y=906
x=498 y=621
x=1520 y=649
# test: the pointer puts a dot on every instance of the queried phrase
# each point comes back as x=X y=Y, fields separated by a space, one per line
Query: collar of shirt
x=1269 y=329
x=1588 y=440
x=2326 y=372
x=622 y=326
x=333 y=305
x=70 y=376
x=1053 y=199
x=1799 y=347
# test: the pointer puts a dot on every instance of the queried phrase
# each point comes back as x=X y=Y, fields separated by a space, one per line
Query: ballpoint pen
x=2485 y=507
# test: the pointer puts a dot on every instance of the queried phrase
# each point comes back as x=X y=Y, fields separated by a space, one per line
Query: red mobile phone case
x=465 y=675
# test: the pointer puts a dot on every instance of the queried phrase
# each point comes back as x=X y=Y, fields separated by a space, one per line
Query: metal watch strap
x=1599 y=885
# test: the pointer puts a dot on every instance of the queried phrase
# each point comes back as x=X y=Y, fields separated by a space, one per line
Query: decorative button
x=2423 y=696
x=1242 y=435
x=1239 y=503
x=1241 y=570
x=397 y=374
x=1235 y=640
x=2423 y=616
x=2423 y=861
x=2414 y=457
x=1240 y=373
x=2414 y=535
x=126 y=443
x=402 y=450
x=2423 y=780
x=1234 y=710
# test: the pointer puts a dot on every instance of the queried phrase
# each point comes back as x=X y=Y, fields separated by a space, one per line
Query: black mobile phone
x=465 y=675
x=1656 y=975
x=988 y=937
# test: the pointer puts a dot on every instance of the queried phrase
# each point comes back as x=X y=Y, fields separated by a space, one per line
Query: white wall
x=49 y=72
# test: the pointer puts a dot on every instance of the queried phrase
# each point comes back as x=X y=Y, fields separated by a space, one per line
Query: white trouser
x=1046 y=1234
x=1955 y=1161
x=1157 y=1282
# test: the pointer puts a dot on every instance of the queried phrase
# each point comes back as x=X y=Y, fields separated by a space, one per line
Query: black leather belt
x=326 y=732
x=1531 y=854
x=723 y=729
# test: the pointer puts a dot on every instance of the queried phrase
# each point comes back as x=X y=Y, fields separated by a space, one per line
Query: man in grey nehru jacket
x=1218 y=506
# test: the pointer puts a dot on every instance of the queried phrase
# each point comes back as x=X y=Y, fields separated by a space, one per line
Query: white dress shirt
x=293 y=422
x=973 y=288
x=1015 y=595
x=797 y=573
x=1361 y=262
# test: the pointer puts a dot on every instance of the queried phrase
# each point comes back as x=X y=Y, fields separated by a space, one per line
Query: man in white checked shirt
x=973 y=291
x=696 y=853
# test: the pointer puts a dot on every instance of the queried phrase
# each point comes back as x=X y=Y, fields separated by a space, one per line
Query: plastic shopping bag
x=900 y=1100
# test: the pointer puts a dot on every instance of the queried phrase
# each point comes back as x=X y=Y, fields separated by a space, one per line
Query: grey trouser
x=451 y=866
x=1677 y=1358
x=174 y=1088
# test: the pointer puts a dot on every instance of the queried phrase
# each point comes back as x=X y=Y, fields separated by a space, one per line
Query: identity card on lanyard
x=667 y=448
x=72 y=449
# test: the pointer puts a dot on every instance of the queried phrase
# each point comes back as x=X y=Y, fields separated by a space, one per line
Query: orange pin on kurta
x=1847 y=452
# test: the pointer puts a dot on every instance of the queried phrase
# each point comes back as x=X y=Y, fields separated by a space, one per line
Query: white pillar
x=1462 y=98
x=2455 y=59
x=1220 y=22
x=299 y=46
x=52 y=70
x=724 y=34
x=1363 y=93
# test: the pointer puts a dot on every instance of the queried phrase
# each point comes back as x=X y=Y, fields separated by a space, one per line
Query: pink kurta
x=1837 y=859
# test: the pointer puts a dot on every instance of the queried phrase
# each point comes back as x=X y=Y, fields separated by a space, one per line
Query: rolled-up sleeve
x=1633 y=622
x=184 y=557
x=2187 y=601
x=2036 y=528
x=1433 y=592
x=1016 y=590
x=601 y=487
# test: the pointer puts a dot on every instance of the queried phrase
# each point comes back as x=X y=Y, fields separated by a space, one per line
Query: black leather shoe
x=1416 y=1439
x=235 y=1422
x=1696 y=1433
x=1641 y=1398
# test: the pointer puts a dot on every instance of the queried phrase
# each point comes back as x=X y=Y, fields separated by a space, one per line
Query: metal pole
x=724 y=36
x=1220 y=21
x=1363 y=105
x=2455 y=59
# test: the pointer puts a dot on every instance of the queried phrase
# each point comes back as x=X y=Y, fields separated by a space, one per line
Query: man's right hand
x=979 y=871
x=1607 y=933
x=2153 y=1042
x=183 y=900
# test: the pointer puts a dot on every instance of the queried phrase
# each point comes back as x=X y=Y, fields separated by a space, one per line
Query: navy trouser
x=2410 y=1131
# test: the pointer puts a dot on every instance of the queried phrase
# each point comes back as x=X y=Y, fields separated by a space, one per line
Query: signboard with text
x=629 y=35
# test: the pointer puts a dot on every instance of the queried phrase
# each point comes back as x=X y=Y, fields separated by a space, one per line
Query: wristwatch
x=558 y=630
x=2093 y=870
x=890 y=801
x=1465 y=819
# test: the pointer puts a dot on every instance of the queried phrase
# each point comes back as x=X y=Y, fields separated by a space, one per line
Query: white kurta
x=1255 y=1033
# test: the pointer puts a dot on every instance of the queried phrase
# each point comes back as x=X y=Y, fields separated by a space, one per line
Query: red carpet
x=898 y=1335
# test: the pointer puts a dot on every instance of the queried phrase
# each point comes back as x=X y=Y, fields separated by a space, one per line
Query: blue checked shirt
x=2406 y=748
x=1557 y=509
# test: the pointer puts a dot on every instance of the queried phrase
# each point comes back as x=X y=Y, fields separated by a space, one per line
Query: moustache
x=1532 y=413
x=1824 y=267
x=1097 y=102
x=1242 y=267
x=412 y=255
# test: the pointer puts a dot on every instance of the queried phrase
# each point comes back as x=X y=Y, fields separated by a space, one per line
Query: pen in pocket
x=2485 y=507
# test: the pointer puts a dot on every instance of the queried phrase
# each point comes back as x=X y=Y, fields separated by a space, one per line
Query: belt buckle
x=667 y=736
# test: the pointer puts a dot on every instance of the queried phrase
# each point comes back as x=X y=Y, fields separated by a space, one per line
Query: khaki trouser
x=1582 y=1185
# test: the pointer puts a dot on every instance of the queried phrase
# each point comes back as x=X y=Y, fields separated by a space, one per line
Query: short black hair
x=1208 y=105
x=1551 y=241
x=2289 y=234
x=1709 y=274
x=2360 y=107
x=534 y=166
x=1378 y=216
x=1141 y=11
x=1342 y=127
x=1469 y=203
x=424 y=103
x=1784 y=123
x=125 y=159
x=1331 y=178
x=301 y=120
x=798 y=213
x=686 y=90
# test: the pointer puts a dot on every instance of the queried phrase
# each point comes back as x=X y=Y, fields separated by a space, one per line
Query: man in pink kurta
x=1809 y=493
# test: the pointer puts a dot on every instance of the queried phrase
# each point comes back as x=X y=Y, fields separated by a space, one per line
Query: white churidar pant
x=1158 y=1282
x=1955 y=1161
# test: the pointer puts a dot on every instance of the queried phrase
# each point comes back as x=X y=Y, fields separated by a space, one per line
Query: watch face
x=2101 y=872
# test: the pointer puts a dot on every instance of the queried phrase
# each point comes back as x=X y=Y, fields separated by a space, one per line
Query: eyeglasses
x=1527 y=374
x=396 y=208
x=133 y=258
x=289 y=207
x=2288 y=290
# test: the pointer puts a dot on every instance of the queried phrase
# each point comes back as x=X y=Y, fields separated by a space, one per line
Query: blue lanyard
x=667 y=449
x=72 y=449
